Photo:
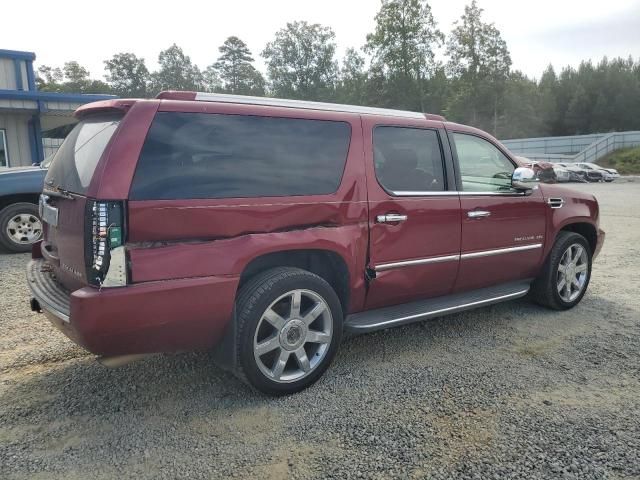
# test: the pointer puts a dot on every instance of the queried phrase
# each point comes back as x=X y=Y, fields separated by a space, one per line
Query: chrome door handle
x=478 y=214
x=391 y=218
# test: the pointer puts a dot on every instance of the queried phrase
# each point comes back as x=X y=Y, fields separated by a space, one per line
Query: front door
x=502 y=230
x=414 y=212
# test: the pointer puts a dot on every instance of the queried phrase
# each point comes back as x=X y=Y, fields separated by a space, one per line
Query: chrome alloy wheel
x=572 y=272
x=293 y=336
x=24 y=228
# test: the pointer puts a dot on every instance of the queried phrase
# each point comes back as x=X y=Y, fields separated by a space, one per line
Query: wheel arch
x=586 y=229
x=327 y=264
x=8 y=200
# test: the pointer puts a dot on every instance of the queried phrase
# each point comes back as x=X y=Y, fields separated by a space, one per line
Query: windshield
x=75 y=161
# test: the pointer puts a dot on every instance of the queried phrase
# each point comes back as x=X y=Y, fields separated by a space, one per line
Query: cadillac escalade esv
x=266 y=228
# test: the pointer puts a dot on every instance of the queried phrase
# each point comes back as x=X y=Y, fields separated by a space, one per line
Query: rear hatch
x=73 y=220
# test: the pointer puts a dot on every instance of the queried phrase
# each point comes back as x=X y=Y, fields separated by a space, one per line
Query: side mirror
x=523 y=179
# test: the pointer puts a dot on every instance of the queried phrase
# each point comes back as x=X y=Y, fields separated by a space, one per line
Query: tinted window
x=77 y=158
x=196 y=155
x=483 y=167
x=408 y=159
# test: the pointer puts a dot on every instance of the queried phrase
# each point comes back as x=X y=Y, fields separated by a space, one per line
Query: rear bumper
x=151 y=317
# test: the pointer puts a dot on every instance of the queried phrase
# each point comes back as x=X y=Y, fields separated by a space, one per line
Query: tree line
x=397 y=67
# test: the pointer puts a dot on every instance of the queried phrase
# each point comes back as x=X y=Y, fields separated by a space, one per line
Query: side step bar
x=405 y=313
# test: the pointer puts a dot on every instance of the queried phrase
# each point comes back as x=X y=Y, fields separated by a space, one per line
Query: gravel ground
x=509 y=391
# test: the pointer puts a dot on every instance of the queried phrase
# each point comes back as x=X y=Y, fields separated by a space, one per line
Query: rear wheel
x=566 y=273
x=289 y=329
x=20 y=226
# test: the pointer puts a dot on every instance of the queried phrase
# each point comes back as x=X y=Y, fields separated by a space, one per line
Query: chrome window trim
x=448 y=258
x=517 y=294
x=500 y=251
x=420 y=261
x=407 y=193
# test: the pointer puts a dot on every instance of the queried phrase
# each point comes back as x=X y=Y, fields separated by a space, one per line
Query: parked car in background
x=562 y=174
x=544 y=170
x=609 y=174
x=575 y=174
x=263 y=229
x=20 y=188
x=588 y=174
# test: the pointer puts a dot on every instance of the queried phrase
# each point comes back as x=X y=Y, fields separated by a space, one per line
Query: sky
x=538 y=33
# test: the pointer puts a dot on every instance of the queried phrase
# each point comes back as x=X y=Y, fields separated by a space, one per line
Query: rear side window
x=408 y=159
x=197 y=155
x=75 y=161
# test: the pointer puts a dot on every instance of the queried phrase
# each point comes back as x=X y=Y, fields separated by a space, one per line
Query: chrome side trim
x=421 y=261
x=448 y=258
x=493 y=194
x=499 y=251
x=445 y=193
x=463 y=306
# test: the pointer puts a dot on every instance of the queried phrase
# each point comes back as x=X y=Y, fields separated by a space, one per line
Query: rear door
x=414 y=211
x=64 y=203
x=502 y=230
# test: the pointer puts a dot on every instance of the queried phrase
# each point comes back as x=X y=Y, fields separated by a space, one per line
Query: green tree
x=176 y=72
x=127 y=75
x=234 y=66
x=479 y=63
x=300 y=61
x=403 y=44
x=49 y=79
x=211 y=80
x=72 y=78
x=352 y=82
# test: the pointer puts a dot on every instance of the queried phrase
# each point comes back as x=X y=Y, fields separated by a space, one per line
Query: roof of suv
x=283 y=102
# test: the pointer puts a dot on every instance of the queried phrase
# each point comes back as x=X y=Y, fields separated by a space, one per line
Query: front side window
x=483 y=168
x=4 y=155
x=199 y=155
x=408 y=159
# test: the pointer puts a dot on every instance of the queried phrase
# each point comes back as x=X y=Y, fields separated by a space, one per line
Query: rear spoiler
x=105 y=106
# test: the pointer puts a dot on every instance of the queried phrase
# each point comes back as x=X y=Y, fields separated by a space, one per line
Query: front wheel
x=566 y=273
x=289 y=329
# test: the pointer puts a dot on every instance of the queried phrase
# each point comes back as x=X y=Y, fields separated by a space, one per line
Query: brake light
x=105 y=256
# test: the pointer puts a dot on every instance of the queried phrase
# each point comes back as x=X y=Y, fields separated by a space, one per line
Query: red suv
x=267 y=228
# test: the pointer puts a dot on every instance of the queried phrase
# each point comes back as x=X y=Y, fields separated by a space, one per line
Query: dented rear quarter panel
x=171 y=239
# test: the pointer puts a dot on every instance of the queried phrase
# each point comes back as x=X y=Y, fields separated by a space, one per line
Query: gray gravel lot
x=509 y=391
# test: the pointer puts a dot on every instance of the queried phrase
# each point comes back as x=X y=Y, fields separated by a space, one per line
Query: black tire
x=10 y=212
x=253 y=300
x=545 y=288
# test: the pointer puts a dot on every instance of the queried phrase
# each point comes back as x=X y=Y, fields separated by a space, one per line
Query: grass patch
x=625 y=160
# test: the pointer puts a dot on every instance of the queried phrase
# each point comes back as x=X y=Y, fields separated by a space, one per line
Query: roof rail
x=283 y=102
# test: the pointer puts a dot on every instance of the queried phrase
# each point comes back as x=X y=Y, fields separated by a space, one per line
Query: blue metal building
x=26 y=112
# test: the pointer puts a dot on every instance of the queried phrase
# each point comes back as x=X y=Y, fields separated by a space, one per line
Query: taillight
x=104 y=254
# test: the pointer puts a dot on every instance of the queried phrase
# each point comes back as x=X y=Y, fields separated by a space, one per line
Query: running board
x=396 y=315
